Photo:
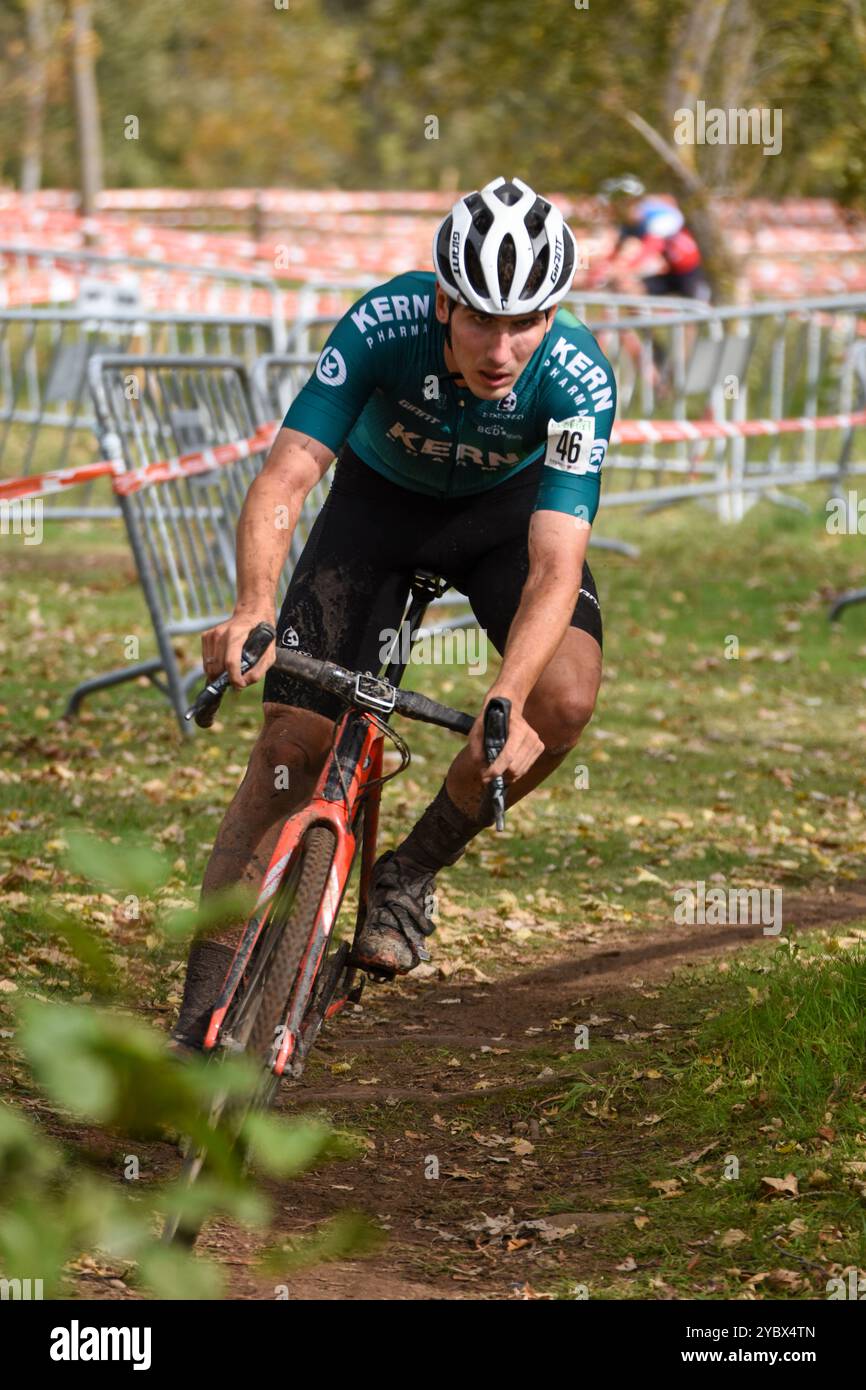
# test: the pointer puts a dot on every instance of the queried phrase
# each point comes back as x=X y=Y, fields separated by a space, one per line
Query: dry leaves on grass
x=780 y=1187
x=732 y=1237
x=668 y=1187
x=515 y=1232
x=694 y=1156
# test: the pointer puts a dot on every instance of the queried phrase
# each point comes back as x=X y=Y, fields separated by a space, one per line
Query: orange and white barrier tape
x=125 y=482
x=675 y=431
x=202 y=461
x=41 y=484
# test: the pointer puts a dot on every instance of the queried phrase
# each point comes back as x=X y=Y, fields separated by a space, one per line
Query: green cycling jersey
x=382 y=385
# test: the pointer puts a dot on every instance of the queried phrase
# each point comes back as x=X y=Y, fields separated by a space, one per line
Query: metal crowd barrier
x=307 y=333
x=46 y=416
x=781 y=355
x=784 y=360
x=596 y=305
x=248 y=286
x=182 y=531
x=682 y=359
x=769 y=361
x=852 y=596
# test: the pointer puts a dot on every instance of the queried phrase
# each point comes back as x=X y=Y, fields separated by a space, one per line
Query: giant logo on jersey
x=331 y=367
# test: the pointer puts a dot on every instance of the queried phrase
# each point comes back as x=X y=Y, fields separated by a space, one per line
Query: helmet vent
x=534 y=219
x=505 y=263
x=474 y=273
x=482 y=217
x=508 y=193
x=536 y=275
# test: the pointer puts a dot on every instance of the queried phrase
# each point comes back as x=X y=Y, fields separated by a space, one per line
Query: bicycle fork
x=339 y=799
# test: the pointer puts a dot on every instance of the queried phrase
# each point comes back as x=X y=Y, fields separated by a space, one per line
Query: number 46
x=568 y=446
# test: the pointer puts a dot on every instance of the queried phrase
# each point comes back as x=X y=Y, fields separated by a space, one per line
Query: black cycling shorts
x=354 y=574
x=690 y=284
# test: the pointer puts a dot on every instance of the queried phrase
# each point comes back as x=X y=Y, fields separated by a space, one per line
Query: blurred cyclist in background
x=655 y=249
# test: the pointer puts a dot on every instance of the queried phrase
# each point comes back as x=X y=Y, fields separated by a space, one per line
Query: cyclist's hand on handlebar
x=221 y=647
x=520 y=752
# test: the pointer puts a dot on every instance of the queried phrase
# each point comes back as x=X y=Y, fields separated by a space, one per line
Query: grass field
x=726 y=749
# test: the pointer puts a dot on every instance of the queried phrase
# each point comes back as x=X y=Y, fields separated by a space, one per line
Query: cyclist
x=654 y=242
x=469 y=426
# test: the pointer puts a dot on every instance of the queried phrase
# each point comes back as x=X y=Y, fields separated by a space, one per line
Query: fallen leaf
x=693 y=1156
x=522 y=1147
x=781 y=1187
x=732 y=1237
x=818 y=1178
x=668 y=1187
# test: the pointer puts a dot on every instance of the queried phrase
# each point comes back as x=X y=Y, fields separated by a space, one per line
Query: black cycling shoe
x=391 y=941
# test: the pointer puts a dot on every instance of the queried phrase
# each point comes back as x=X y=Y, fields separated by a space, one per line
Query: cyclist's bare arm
x=557 y=550
x=268 y=518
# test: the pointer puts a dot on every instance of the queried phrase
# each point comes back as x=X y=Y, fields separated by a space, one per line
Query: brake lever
x=207 y=702
x=495 y=738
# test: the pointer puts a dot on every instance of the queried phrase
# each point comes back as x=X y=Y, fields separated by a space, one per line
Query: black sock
x=206 y=969
x=441 y=835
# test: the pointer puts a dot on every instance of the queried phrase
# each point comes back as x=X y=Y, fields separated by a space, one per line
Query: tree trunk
x=691 y=59
x=34 y=98
x=86 y=106
x=698 y=208
x=736 y=63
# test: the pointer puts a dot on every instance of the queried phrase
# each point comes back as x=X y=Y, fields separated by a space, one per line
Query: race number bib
x=569 y=444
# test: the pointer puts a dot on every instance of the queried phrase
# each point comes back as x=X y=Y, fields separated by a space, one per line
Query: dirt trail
x=453 y=1074
x=452 y=1084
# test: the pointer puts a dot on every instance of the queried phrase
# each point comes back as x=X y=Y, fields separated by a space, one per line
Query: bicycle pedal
x=379 y=977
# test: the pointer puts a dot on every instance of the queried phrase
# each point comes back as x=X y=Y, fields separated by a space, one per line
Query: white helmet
x=504 y=250
x=625 y=186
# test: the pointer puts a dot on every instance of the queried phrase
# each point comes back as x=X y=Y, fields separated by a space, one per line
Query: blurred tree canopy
x=342 y=92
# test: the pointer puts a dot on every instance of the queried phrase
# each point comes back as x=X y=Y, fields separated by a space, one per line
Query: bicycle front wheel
x=263 y=1007
x=293 y=916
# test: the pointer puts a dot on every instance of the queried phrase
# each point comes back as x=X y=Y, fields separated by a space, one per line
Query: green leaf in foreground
x=109 y=1068
x=172 y=1273
x=346 y=1236
x=285 y=1150
x=229 y=907
x=121 y=868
